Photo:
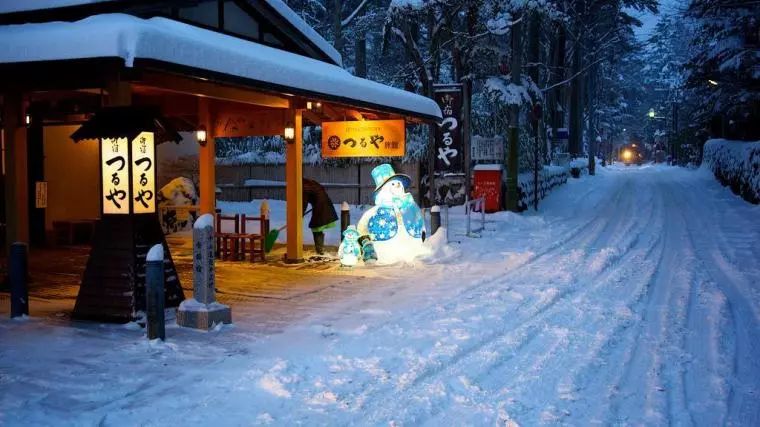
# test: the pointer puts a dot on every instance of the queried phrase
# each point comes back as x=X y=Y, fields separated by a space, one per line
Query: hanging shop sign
x=449 y=152
x=114 y=168
x=365 y=138
x=143 y=174
x=40 y=194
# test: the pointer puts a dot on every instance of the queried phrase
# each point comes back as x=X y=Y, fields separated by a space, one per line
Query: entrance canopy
x=161 y=43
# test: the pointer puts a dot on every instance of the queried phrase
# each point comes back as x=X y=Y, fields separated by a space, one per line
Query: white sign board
x=143 y=174
x=114 y=156
x=488 y=149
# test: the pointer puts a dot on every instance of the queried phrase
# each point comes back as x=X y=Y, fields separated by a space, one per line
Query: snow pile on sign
x=178 y=192
x=735 y=164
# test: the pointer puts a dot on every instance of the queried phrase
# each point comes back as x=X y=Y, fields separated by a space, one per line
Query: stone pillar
x=202 y=311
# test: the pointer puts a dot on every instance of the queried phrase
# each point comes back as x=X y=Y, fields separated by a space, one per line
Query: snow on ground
x=635 y=300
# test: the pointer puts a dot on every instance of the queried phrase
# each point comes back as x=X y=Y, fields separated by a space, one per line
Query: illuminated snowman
x=349 y=250
x=395 y=224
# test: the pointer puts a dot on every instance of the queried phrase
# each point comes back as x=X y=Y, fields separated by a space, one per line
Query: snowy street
x=632 y=297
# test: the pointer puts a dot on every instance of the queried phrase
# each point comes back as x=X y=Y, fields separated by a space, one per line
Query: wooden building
x=229 y=67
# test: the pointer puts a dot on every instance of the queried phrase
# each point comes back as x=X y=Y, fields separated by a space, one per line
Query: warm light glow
x=114 y=155
x=309 y=105
x=200 y=135
x=627 y=155
x=28 y=119
x=290 y=132
x=143 y=174
x=712 y=82
x=633 y=145
x=318 y=105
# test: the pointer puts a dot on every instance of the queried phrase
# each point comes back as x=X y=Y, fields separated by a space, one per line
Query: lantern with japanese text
x=113 y=285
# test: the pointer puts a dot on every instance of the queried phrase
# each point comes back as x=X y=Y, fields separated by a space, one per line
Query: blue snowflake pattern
x=382 y=225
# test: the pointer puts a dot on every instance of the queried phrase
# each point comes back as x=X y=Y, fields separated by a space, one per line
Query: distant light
x=651 y=113
x=28 y=119
x=712 y=82
x=309 y=105
x=290 y=132
x=201 y=136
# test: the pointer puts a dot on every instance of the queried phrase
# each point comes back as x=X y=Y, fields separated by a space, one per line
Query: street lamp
x=651 y=113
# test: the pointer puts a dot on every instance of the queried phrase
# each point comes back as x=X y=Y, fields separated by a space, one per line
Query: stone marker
x=154 y=293
x=202 y=311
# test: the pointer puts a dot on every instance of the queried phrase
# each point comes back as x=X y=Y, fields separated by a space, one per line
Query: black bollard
x=435 y=219
x=154 y=292
x=17 y=275
x=345 y=218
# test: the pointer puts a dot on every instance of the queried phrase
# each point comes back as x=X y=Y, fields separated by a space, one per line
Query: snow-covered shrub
x=735 y=164
x=549 y=178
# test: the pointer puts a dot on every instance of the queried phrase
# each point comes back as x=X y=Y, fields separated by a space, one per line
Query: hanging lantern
x=201 y=136
x=290 y=132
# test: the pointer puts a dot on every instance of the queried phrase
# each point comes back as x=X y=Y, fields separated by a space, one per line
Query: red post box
x=487 y=184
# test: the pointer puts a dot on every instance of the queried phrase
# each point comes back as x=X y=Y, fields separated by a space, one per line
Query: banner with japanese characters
x=114 y=155
x=364 y=138
x=449 y=152
x=143 y=174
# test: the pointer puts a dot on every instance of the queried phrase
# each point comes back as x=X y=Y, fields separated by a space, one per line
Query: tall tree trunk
x=576 y=101
x=559 y=99
x=593 y=125
x=513 y=161
x=360 y=55
x=337 y=25
x=534 y=35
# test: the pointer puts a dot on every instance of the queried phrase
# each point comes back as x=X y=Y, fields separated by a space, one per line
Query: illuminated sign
x=366 y=138
x=143 y=174
x=114 y=156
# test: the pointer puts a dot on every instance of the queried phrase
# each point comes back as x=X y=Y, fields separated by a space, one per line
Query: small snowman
x=349 y=250
x=395 y=224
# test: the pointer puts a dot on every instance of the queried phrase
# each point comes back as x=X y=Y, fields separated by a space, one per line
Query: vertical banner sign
x=449 y=152
x=114 y=156
x=40 y=194
x=143 y=174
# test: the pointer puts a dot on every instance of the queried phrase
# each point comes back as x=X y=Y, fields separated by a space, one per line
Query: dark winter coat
x=323 y=211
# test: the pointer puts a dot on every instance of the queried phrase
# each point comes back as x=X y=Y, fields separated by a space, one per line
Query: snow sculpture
x=395 y=224
x=349 y=250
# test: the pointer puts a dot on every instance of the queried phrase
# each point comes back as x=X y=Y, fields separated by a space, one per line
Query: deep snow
x=635 y=300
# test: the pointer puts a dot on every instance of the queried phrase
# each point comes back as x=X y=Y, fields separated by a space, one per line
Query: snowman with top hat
x=395 y=224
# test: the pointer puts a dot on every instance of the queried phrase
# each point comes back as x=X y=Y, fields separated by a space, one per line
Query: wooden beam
x=294 y=189
x=207 y=159
x=16 y=177
x=179 y=84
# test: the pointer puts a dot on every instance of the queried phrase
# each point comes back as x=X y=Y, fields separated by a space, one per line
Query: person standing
x=323 y=215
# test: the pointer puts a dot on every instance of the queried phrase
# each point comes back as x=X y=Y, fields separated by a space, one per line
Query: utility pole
x=514 y=118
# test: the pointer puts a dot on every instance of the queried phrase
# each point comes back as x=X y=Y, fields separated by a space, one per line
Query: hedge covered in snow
x=735 y=164
x=550 y=177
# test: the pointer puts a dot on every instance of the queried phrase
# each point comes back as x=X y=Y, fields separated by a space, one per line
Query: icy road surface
x=635 y=300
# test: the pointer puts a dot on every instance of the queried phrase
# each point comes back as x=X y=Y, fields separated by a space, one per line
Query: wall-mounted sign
x=449 y=153
x=366 y=138
x=488 y=149
x=114 y=157
x=40 y=194
x=143 y=174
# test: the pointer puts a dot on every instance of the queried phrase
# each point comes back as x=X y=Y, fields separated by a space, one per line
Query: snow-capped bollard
x=17 y=274
x=345 y=218
x=202 y=311
x=154 y=292
x=435 y=219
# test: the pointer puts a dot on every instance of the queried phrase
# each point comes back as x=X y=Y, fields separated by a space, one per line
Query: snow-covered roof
x=131 y=38
x=279 y=6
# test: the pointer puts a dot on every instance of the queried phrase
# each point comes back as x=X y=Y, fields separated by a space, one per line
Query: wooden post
x=207 y=159
x=17 y=177
x=18 y=271
x=294 y=188
x=154 y=293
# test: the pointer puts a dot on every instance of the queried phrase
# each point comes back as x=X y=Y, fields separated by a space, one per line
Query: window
x=206 y=13
x=271 y=40
x=237 y=21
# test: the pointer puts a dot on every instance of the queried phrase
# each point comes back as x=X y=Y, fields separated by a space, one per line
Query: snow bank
x=156 y=253
x=735 y=164
x=549 y=178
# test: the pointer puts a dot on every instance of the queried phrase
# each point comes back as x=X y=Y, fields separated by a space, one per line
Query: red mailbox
x=488 y=185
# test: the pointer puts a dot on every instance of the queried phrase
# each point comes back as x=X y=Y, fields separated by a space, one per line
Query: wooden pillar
x=16 y=178
x=207 y=159
x=294 y=188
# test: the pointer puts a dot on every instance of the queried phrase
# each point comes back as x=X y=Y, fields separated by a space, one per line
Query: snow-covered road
x=632 y=298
